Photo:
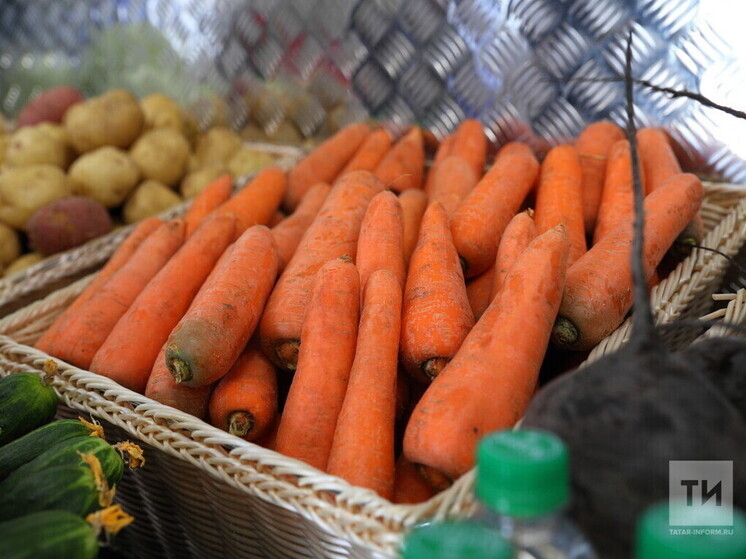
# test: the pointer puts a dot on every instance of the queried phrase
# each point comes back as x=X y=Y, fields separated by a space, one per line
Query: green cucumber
x=15 y=454
x=50 y=534
x=26 y=402
x=66 y=453
x=70 y=488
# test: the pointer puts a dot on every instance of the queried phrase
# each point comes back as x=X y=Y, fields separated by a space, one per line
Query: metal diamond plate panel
x=531 y=69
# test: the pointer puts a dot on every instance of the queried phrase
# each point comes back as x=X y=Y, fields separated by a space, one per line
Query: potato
x=41 y=144
x=49 y=106
x=217 y=145
x=195 y=181
x=112 y=119
x=3 y=146
x=286 y=133
x=247 y=160
x=254 y=133
x=23 y=190
x=10 y=245
x=23 y=262
x=162 y=155
x=67 y=223
x=161 y=111
x=149 y=198
x=107 y=175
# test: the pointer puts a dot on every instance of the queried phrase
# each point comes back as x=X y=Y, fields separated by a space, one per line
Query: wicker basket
x=205 y=493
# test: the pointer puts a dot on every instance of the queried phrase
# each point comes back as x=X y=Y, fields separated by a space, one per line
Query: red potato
x=49 y=106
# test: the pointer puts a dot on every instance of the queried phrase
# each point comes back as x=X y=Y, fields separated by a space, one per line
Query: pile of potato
x=73 y=169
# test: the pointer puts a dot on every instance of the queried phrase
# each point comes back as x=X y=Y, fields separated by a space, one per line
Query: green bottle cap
x=522 y=473
x=455 y=540
x=656 y=538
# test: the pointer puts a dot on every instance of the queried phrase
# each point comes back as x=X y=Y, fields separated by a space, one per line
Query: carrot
x=121 y=255
x=413 y=206
x=480 y=220
x=599 y=285
x=320 y=381
x=479 y=291
x=162 y=388
x=158 y=308
x=436 y=316
x=244 y=401
x=208 y=339
x=617 y=200
x=593 y=145
x=276 y=219
x=443 y=151
x=257 y=202
x=403 y=394
x=289 y=231
x=380 y=242
x=402 y=166
x=489 y=382
x=87 y=329
x=324 y=163
x=470 y=144
x=269 y=439
x=333 y=233
x=657 y=158
x=452 y=179
x=370 y=153
x=362 y=450
x=518 y=234
x=559 y=198
x=409 y=486
x=212 y=196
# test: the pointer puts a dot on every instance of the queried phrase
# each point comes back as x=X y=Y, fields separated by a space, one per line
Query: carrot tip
x=240 y=423
x=564 y=332
x=179 y=369
x=346 y=258
x=432 y=367
x=435 y=479
x=286 y=352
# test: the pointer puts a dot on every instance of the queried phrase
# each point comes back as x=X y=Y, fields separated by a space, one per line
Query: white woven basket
x=204 y=493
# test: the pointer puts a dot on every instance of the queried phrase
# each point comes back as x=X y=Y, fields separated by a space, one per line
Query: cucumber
x=70 y=488
x=50 y=534
x=29 y=446
x=65 y=453
x=26 y=403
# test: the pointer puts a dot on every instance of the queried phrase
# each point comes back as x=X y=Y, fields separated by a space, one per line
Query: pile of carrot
x=374 y=316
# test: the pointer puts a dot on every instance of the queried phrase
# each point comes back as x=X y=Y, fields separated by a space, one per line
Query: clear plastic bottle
x=455 y=540
x=656 y=538
x=522 y=486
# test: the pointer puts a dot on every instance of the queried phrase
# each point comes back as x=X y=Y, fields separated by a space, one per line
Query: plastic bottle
x=522 y=487
x=656 y=538
x=455 y=540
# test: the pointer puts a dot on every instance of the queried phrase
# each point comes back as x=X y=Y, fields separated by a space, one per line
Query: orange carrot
x=212 y=196
x=489 y=382
x=409 y=486
x=319 y=384
x=480 y=220
x=370 y=153
x=380 y=242
x=121 y=255
x=593 y=145
x=470 y=144
x=258 y=201
x=598 y=293
x=158 y=308
x=289 y=231
x=413 y=205
x=332 y=234
x=278 y=218
x=324 y=163
x=518 y=234
x=444 y=149
x=208 y=339
x=402 y=166
x=452 y=179
x=269 y=439
x=362 y=451
x=559 y=198
x=617 y=198
x=162 y=388
x=436 y=316
x=479 y=292
x=244 y=401
x=657 y=157
x=88 y=328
